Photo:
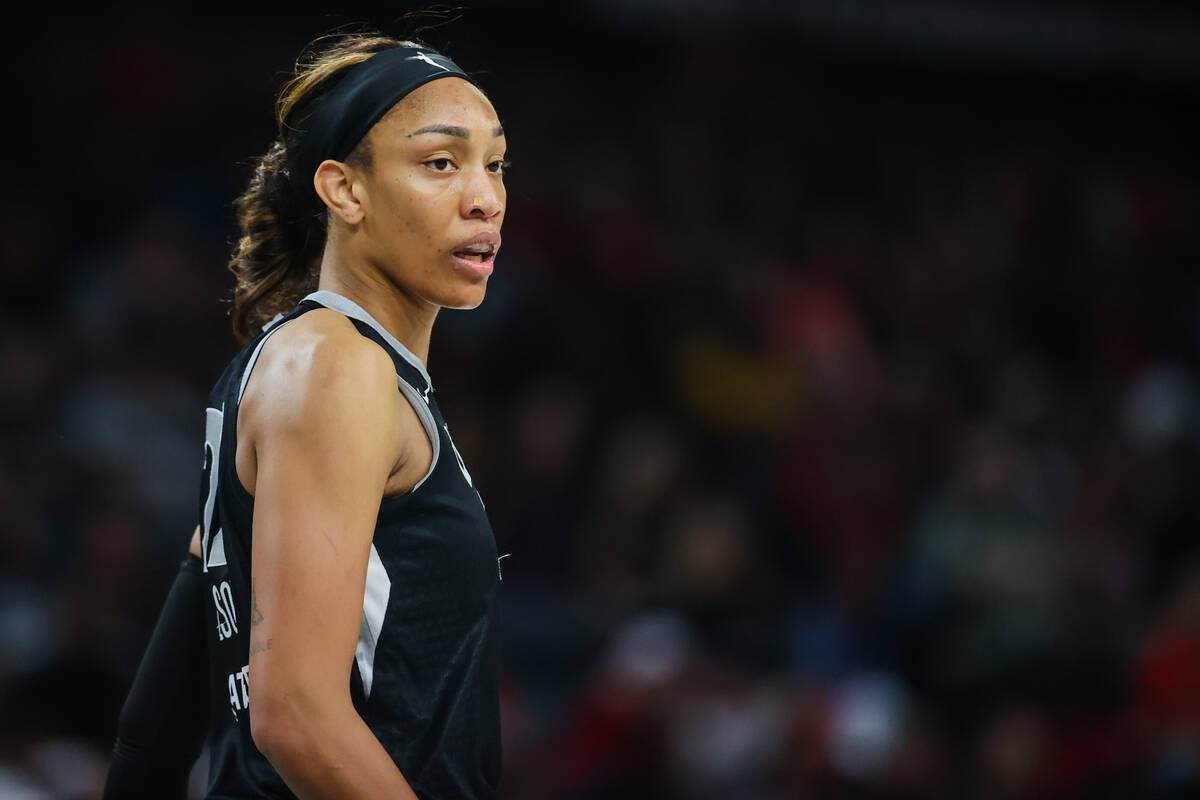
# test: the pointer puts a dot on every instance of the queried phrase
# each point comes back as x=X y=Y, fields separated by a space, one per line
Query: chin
x=467 y=299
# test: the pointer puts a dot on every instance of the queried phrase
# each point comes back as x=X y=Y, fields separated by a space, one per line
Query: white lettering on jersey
x=239 y=690
x=233 y=695
x=214 y=422
x=226 y=616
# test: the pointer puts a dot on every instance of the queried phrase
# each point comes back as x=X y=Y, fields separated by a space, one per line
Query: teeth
x=481 y=249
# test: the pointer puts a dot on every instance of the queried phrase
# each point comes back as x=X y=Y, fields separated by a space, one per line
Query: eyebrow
x=454 y=130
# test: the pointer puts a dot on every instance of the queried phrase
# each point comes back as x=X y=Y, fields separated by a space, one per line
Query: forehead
x=451 y=101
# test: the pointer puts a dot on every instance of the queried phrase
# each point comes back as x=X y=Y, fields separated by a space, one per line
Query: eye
x=440 y=164
x=499 y=167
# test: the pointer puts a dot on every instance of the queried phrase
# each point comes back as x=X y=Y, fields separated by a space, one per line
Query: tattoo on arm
x=256 y=616
x=260 y=647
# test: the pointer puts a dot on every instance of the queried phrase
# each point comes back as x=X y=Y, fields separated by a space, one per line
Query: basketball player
x=344 y=561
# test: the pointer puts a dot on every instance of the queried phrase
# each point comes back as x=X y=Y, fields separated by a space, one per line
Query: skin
x=324 y=433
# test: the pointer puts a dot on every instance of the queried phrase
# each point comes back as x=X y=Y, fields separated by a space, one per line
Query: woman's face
x=433 y=195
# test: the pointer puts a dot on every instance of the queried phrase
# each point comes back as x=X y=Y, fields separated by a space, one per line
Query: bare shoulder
x=318 y=369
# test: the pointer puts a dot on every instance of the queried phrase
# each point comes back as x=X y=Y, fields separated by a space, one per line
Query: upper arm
x=325 y=437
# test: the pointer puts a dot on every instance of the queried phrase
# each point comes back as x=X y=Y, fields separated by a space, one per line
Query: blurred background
x=836 y=394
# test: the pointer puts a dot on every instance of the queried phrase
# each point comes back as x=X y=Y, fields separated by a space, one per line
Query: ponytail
x=277 y=259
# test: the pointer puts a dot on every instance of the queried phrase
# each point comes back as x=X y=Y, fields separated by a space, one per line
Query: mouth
x=478 y=264
x=478 y=254
x=479 y=248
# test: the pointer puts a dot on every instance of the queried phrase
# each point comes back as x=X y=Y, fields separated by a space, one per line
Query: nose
x=481 y=197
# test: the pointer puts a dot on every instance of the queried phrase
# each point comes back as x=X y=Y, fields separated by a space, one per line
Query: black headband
x=342 y=118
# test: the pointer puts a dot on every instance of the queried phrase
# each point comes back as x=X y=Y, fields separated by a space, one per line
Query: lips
x=480 y=249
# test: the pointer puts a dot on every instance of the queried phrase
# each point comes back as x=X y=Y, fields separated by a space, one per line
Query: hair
x=282 y=222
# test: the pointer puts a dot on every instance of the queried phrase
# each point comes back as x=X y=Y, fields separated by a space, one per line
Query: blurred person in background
x=330 y=474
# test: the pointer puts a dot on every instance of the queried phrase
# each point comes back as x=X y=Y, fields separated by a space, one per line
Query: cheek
x=432 y=212
x=406 y=207
x=414 y=234
x=415 y=218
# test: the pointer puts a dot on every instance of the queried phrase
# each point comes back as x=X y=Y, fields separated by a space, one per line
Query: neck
x=406 y=318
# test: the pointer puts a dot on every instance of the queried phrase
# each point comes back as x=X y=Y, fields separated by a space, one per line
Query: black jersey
x=425 y=668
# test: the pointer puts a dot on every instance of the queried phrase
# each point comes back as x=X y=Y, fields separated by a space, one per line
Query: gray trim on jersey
x=345 y=305
x=376 y=592
x=216 y=551
x=254 y=356
x=426 y=417
x=349 y=308
x=272 y=320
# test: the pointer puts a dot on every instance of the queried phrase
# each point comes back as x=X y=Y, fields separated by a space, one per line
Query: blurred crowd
x=841 y=417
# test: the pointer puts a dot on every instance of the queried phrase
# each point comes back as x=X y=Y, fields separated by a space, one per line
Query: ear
x=335 y=186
